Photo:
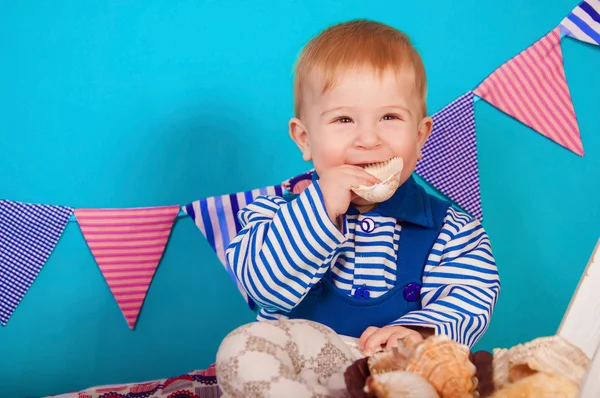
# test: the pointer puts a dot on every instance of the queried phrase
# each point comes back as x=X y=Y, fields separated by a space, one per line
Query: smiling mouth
x=378 y=163
x=386 y=169
x=388 y=173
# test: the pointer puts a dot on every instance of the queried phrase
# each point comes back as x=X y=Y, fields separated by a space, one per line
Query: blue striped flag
x=216 y=217
x=583 y=23
x=28 y=235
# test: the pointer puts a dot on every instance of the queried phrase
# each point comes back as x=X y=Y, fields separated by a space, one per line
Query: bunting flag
x=450 y=155
x=216 y=217
x=127 y=245
x=532 y=88
x=299 y=183
x=28 y=235
x=583 y=23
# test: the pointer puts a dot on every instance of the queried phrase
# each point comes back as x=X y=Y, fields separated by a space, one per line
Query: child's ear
x=423 y=133
x=299 y=134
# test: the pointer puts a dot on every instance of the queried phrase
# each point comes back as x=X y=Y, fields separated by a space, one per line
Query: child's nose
x=368 y=139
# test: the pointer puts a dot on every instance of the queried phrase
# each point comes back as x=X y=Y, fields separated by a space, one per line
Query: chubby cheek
x=408 y=151
x=327 y=152
x=409 y=167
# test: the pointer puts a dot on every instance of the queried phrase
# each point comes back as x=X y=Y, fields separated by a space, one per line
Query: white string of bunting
x=128 y=244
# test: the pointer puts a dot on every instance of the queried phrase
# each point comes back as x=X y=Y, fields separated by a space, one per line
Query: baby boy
x=407 y=267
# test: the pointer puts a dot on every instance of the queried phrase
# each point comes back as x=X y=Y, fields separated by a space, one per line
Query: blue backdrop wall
x=141 y=103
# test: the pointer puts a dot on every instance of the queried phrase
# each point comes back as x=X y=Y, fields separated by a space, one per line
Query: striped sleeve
x=460 y=282
x=283 y=248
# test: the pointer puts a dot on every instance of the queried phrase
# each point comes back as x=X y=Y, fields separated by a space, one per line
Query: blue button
x=367 y=225
x=412 y=291
x=362 y=292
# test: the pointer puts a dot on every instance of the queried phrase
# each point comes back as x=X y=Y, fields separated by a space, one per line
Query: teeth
x=388 y=173
x=385 y=169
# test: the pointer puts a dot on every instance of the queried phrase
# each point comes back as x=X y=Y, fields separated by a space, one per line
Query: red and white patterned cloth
x=196 y=384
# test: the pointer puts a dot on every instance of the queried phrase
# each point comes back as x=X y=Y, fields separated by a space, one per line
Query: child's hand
x=373 y=338
x=336 y=185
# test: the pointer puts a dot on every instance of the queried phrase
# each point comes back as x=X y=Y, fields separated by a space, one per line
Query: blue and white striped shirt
x=284 y=248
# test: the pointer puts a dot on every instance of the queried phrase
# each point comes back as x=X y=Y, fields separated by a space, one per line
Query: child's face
x=363 y=119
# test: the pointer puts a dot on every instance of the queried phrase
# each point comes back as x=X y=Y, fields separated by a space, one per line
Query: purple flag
x=450 y=155
x=28 y=235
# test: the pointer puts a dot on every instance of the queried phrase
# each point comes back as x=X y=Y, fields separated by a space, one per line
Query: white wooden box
x=581 y=322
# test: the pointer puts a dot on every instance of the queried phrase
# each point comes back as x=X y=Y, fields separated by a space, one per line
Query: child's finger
x=365 y=336
x=405 y=334
x=377 y=339
x=358 y=180
x=361 y=174
x=370 y=178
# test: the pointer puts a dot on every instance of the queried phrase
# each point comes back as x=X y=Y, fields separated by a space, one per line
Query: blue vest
x=421 y=216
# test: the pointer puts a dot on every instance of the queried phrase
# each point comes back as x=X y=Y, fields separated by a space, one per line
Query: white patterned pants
x=284 y=359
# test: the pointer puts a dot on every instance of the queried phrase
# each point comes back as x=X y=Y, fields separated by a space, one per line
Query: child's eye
x=392 y=117
x=343 y=119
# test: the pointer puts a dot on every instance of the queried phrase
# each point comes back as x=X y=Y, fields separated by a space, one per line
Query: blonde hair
x=354 y=44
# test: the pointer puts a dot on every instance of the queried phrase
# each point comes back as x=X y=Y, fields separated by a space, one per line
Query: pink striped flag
x=127 y=245
x=532 y=88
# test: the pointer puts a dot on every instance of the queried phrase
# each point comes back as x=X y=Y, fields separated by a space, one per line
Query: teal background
x=141 y=103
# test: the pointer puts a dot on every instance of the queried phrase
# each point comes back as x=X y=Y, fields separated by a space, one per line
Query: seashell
x=483 y=363
x=552 y=355
x=390 y=360
x=446 y=365
x=539 y=385
x=399 y=384
x=388 y=173
x=355 y=377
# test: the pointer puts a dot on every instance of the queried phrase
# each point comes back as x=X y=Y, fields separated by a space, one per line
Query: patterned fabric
x=196 y=384
x=298 y=358
x=532 y=88
x=450 y=155
x=285 y=248
x=216 y=217
x=583 y=23
x=28 y=234
x=299 y=183
x=127 y=245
